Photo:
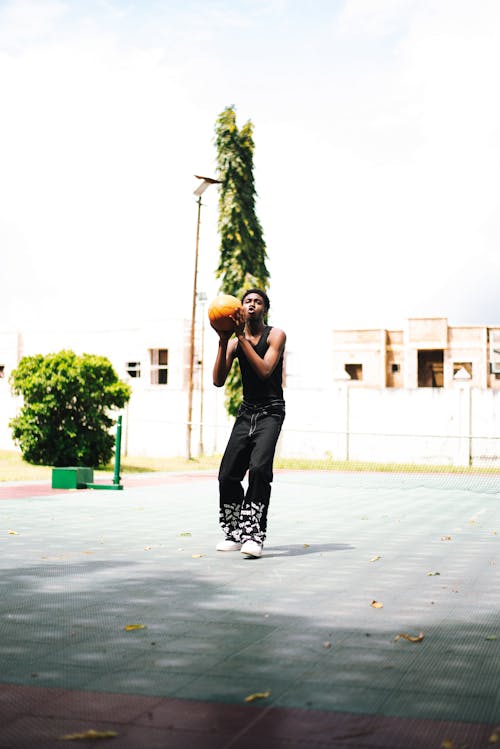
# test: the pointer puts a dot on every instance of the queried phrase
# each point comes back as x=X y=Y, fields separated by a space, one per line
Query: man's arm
x=266 y=366
x=224 y=359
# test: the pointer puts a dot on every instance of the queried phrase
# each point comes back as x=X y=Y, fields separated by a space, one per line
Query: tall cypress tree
x=243 y=254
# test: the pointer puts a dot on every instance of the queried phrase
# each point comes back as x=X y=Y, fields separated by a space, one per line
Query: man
x=259 y=349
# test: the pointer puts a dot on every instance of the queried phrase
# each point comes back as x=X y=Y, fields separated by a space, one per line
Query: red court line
x=24 y=491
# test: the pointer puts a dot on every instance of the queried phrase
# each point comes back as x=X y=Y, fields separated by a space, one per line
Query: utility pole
x=206 y=182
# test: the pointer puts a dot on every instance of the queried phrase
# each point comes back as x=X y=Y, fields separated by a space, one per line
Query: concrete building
x=427 y=352
x=428 y=393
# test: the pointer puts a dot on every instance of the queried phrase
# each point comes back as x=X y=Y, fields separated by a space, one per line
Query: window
x=430 y=368
x=395 y=367
x=355 y=371
x=2 y=370
x=133 y=368
x=159 y=366
x=458 y=365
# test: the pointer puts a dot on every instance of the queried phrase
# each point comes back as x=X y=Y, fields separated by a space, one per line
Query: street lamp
x=202 y=298
x=206 y=182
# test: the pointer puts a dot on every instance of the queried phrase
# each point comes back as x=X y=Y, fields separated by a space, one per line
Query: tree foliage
x=243 y=253
x=66 y=413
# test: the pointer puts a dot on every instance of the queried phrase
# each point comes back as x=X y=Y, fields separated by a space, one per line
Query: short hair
x=261 y=293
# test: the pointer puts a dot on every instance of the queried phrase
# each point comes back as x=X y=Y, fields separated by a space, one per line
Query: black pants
x=251 y=447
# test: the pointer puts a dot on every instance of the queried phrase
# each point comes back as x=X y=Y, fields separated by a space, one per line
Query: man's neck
x=254 y=327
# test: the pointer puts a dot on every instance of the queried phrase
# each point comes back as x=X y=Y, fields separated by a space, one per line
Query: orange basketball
x=220 y=309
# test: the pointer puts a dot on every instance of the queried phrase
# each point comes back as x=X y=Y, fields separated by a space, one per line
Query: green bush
x=66 y=414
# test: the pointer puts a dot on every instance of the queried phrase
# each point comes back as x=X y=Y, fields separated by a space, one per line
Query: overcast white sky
x=377 y=164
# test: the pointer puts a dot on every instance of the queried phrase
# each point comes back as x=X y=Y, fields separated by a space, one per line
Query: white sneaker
x=252 y=549
x=228 y=545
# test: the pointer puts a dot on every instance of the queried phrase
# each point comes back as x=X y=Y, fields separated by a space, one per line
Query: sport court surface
x=297 y=624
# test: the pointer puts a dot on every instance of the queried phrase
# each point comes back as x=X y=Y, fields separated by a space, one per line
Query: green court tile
x=435 y=705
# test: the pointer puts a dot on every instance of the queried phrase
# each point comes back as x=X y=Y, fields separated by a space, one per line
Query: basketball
x=220 y=309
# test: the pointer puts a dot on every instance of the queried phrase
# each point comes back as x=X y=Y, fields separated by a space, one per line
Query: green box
x=74 y=477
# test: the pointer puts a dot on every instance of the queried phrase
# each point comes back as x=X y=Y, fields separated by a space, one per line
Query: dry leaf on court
x=90 y=734
x=377 y=604
x=491 y=637
x=131 y=627
x=186 y=533
x=13 y=533
x=258 y=696
x=495 y=736
x=306 y=546
x=445 y=538
x=431 y=574
x=148 y=548
x=410 y=638
x=448 y=744
x=197 y=556
x=374 y=559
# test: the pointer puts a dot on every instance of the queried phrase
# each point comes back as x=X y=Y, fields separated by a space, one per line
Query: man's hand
x=239 y=322
x=224 y=335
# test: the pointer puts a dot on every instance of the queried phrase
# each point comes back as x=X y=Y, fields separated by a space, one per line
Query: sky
x=377 y=150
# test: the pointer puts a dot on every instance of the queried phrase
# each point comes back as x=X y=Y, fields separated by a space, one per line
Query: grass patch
x=326 y=464
x=14 y=468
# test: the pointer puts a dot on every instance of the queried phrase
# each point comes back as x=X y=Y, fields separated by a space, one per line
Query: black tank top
x=256 y=390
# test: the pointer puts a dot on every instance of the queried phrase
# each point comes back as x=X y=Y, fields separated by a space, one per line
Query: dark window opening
x=355 y=371
x=159 y=366
x=430 y=368
x=467 y=365
x=395 y=367
x=133 y=368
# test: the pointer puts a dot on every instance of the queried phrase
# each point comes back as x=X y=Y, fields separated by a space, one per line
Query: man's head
x=262 y=294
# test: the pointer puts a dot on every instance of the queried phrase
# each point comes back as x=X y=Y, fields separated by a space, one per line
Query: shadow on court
x=118 y=615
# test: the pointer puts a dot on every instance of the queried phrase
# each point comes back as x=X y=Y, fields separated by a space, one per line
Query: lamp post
x=206 y=182
x=202 y=298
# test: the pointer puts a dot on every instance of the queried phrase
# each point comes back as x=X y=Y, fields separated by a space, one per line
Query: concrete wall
x=460 y=426
x=338 y=420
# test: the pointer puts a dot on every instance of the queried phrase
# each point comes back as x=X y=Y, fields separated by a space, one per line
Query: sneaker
x=228 y=545
x=252 y=549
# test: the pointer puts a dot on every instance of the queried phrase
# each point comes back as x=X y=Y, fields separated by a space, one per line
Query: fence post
x=343 y=378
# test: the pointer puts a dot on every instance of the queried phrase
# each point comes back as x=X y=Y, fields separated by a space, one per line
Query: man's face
x=254 y=306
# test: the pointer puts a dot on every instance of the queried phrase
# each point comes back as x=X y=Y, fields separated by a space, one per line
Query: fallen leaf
x=491 y=637
x=495 y=736
x=257 y=696
x=376 y=604
x=131 y=627
x=374 y=559
x=327 y=645
x=431 y=574
x=186 y=533
x=447 y=744
x=197 y=556
x=13 y=533
x=306 y=546
x=90 y=734
x=410 y=638
x=445 y=538
x=148 y=548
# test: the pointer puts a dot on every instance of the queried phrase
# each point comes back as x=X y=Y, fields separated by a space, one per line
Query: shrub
x=66 y=414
